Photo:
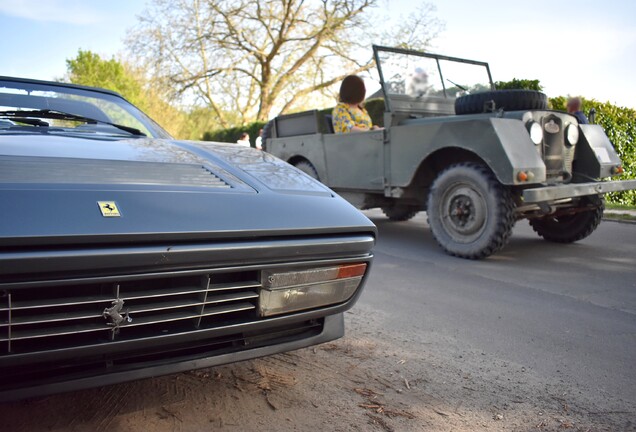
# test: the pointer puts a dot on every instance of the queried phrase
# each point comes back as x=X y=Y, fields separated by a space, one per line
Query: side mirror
x=592 y=116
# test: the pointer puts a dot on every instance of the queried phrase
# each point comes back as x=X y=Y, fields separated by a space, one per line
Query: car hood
x=55 y=187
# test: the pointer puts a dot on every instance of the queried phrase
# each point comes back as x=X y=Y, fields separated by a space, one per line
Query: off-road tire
x=400 y=212
x=570 y=228
x=470 y=213
x=509 y=100
x=307 y=168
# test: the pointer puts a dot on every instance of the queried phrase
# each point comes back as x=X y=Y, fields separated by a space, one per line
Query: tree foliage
x=521 y=84
x=89 y=69
x=250 y=58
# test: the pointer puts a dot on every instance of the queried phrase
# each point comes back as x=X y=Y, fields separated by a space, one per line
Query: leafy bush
x=521 y=84
x=375 y=108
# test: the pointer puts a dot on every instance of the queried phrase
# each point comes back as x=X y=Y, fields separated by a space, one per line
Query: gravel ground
x=371 y=380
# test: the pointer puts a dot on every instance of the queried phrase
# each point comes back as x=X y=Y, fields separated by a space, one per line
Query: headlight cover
x=572 y=134
x=536 y=132
x=295 y=290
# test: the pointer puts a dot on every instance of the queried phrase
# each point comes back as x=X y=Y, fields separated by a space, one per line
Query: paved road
x=567 y=312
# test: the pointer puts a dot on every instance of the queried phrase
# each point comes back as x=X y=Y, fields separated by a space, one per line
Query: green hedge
x=231 y=135
x=375 y=108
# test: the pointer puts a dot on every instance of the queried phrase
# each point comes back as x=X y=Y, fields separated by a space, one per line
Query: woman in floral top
x=349 y=115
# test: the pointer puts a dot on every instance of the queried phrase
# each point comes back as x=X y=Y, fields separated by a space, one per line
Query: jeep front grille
x=69 y=315
x=556 y=155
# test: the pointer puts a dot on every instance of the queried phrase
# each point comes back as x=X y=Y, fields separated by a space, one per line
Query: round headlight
x=572 y=134
x=536 y=132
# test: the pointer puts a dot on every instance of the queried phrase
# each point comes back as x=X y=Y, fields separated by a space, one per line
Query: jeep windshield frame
x=424 y=77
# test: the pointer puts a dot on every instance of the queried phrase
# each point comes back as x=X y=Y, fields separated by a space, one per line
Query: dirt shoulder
x=371 y=380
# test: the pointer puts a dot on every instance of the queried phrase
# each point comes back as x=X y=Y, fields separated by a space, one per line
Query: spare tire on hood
x=508 y=100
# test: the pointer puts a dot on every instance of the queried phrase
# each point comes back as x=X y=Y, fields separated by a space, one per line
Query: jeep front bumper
x=551 y=193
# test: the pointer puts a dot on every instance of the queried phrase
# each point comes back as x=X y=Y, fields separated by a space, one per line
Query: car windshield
x=420 y=75
x=38 y=107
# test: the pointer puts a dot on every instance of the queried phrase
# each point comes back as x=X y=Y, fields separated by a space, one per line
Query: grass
x=612 y=211
x=619 y=216
x=612 y=206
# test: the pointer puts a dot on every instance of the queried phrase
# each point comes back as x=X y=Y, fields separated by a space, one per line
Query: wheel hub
x=466 y=212
x=461 y=210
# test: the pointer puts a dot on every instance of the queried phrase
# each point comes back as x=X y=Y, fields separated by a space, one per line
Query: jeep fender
x=503 y=144
x=595 y=155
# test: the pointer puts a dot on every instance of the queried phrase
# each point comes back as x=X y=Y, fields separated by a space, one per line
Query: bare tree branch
x=249 y=59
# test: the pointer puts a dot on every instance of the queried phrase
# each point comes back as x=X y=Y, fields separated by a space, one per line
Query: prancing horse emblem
x=109 y=209
x=114 y=316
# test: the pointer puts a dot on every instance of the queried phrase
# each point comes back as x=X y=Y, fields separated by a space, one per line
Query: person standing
x=244 y=140
x=574 y=107
x=259 y=140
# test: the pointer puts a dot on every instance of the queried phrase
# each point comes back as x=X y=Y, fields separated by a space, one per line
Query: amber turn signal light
x=618 y=170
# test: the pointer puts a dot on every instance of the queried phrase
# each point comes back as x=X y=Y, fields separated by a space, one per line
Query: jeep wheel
x=307 y=168
x=400 y=212
x=509 y=100
x=570 y=228
x=470 y=213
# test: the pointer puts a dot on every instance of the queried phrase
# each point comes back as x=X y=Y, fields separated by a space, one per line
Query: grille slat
x=49 y=317
x=237 y=285
x=34 y=304
x=19 y=305
x=178 y=316
x=153 y=307
x=18 y=335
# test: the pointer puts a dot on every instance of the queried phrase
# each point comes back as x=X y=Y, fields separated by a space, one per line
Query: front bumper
x=186 y=313
x=308 y=333
x=551 y=193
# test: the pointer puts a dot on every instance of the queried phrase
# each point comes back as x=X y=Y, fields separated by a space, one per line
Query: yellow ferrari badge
x=108 y=208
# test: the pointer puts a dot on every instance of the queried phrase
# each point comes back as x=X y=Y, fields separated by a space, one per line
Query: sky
x=587 y=47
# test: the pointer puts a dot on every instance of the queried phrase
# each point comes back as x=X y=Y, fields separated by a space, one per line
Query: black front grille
x=68 y=315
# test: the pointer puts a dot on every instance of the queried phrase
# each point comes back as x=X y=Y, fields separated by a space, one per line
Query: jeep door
x=355 y=160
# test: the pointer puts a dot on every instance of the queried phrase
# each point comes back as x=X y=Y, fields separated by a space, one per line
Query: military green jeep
x=474 y=158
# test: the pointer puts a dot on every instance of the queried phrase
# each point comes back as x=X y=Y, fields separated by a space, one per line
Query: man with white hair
x=574 y=108
x=418 y=85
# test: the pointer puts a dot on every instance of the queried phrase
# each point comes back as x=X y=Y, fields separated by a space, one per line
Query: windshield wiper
x=29 y=121
x=23 y=115
x=457 y=85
